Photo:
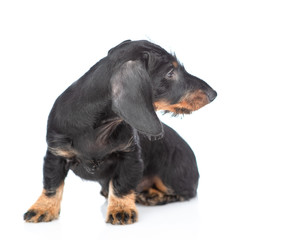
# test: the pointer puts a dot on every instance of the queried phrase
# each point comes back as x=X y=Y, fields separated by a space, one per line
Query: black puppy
x=104 y=128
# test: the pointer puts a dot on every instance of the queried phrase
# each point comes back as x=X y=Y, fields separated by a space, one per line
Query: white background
x=240 y=140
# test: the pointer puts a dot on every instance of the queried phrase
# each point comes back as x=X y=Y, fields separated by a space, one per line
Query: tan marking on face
x=47 y=208
x=175 y=64
x=123 y=207
x=190 y=102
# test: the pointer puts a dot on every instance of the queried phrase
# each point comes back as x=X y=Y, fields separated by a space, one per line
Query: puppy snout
x=211 y=94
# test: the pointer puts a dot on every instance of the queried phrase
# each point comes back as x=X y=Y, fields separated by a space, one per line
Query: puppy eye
x=170 y=74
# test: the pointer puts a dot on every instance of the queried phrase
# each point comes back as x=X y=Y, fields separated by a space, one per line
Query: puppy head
x=145 y=79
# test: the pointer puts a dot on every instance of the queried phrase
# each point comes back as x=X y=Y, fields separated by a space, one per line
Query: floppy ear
x=132 y=98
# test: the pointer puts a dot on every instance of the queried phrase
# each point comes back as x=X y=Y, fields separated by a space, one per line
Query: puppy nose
x=211 y=94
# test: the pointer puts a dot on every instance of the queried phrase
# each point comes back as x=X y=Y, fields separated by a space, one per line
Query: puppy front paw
x=41 y=215
x=121 y=209
x=120 y=216
x=46 y=208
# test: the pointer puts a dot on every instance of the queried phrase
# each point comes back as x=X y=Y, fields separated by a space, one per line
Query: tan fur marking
x=152 y=191
x=145 y=184
x=160 y=185
x=148 y=182
x=190 y=102
x=175 y=64
x=150 y=197
x=121 y=206
x=48 y=207
x=62 y=152
x=153 y=197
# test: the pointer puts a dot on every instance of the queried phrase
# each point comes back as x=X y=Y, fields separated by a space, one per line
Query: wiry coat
x=104 y=128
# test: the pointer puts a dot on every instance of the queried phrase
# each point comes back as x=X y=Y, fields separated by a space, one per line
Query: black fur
x=104 y=126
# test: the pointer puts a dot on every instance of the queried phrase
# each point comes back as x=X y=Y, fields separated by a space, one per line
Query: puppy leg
x=155 y=193
x=121 y=196
x=47 y=207
x=185 y=177
x=121 y=210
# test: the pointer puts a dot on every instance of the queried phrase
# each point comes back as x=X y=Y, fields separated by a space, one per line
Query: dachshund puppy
x=104 y=128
